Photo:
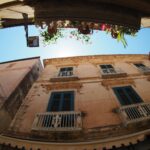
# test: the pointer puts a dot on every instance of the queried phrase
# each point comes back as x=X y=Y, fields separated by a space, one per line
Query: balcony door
x=61 y=101
x=127 y=95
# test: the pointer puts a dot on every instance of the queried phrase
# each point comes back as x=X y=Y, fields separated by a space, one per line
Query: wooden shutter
x=126 y=95
x=61 y=101
x=54 y=102
x=68 y=101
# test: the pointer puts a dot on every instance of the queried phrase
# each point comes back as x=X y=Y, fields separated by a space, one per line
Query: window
x=142 y=67
x=127 y=95
x=61 y=101
x=68 y=71
x=107 y=69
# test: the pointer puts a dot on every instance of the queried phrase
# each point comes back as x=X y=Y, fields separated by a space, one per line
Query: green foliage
x=81 y=37
x=51 y=38
x=117 y=32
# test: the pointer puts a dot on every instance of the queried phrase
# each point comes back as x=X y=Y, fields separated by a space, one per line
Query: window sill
x=64 y=78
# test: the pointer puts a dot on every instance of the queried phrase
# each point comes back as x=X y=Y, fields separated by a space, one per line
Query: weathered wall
x=95 y=97
x=16 y=78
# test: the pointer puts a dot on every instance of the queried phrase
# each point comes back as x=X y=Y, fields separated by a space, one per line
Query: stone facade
x=104 y=121
x=16 y=78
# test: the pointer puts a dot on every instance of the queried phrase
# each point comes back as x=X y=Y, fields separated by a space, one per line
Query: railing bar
x=75 y=120
x=41 y=120
x=147 y=110
x=44 y=119
x=63 y=120
x=52 y=120
x=128 y=114
x=134 y=113
x=61 y=115
x=131 y=111
x=140 y=111
x=70 y=120
x=37 y=117
x=71 y=115
x=48 y=119
x=137 y=112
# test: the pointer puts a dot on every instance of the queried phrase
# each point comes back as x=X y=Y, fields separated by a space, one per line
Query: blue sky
x=13 y=45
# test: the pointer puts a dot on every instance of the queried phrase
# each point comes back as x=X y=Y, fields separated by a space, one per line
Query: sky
x=13 y=45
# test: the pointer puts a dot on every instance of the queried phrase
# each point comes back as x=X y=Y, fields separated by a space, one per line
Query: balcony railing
x=58 y=121
x=112 y=72
x=135 y=112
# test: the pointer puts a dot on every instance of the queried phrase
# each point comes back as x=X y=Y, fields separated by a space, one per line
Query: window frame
x=67 y=72
x=130 y=99
x=62 y=101
x=143 y=68
x=107 y=70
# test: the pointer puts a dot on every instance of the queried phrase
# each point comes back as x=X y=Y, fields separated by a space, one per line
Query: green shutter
x=126 y=95
x=61 y=101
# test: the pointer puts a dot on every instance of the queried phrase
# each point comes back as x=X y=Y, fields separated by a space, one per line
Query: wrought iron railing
x=58 y=121
x=135 y=112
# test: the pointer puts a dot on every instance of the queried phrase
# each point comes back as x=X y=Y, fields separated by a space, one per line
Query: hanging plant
x=118 y=32
x=80 y=37
x=83 y=31
x=51 y=38
x=84 y=28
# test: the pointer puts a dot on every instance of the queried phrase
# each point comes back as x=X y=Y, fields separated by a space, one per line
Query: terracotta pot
x=84 y=29
x=52 y=30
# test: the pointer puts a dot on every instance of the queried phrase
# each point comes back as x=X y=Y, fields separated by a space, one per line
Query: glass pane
x=70 y=69
x=56 y=102
x=62 y=69
x=133 y=95
x=109 y=66
x=124 y=98
x=139 y=65
x=66 y=106
x=103 y=66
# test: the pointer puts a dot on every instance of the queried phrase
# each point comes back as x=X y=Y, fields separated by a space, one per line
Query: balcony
x=112 y=73
x=64 y=76
x=135 y=113
x=58 y=121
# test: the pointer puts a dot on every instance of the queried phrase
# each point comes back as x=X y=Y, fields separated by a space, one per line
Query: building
x=16 y=78
x=85 y=103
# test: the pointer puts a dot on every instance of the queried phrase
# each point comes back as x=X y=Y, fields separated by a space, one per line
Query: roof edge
x=22 y=59
x=105 y=55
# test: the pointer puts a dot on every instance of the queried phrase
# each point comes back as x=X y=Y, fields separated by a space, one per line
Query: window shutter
x=61 y=101
x=133 y=95
x=54 y=102
x=126 y=95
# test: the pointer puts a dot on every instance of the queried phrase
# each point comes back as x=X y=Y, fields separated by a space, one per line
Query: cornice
x=95 y=59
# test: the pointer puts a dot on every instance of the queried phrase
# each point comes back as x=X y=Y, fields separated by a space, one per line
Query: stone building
x=85 y=103
x=16 y=78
